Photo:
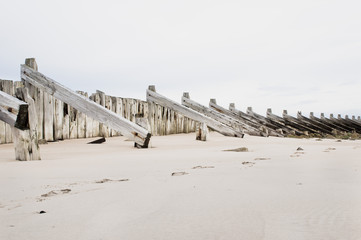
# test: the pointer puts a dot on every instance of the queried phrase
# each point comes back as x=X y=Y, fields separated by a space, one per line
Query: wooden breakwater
x=57 y=120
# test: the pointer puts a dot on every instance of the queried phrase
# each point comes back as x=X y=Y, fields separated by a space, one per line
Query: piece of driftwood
x=13 y=111
x=251 y=126
x=134 y=132
x=97 y=141
x=152 y=96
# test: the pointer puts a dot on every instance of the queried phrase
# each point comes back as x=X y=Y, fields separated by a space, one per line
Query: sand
x=184 y=189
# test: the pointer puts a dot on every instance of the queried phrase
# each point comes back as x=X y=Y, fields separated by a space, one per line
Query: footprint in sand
x=201 y=167
x=56 y=192
x=249 y=164
x=329 y=149
x=261 y=159
x=179 y=173
x=111 y=180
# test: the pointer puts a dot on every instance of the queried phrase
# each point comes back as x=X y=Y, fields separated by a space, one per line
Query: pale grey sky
x=294 y=55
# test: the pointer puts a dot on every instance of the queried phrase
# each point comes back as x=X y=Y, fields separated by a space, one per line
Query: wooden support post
x=7 y=86
x=103 y=130
x=250 y=124
x=13 y=111
x=220 y=117
x=58 y=119
x=294 y=122
x=202 y=133
x=26 y=141
x=322 y=128
x=152 y=96
x=131 y=130
x=281 y=121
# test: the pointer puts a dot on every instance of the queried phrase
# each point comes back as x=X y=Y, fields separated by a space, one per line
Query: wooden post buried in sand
x=20 y=114
x=202 y=133
x=152 y=96
x=129 y=129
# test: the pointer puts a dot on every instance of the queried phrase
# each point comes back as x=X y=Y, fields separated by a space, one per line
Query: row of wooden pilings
x=55 y=120
x=58 y=121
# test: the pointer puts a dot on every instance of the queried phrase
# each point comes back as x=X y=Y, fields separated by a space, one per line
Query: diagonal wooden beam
x=127 y=128
x=13 y=111
x=152 y=96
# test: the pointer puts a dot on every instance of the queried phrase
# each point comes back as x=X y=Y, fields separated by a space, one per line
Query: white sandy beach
x=114 y=191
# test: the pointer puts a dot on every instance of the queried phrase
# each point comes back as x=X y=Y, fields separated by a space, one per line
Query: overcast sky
x=296 y=55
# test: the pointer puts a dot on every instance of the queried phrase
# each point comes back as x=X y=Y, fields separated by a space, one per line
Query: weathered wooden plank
x=152 y=96
x=2 y=132
x=80 y=117
x=85 y=105
x=66 y=127
x=26 y=141
x=297 y=124
x=329 y=126
x=58 y=119
x=278 y=129
x=96 y=98
x=13 y=111
x=330 y=123
x=226 y=120
x=346 y=121
x=323 y=129
x=7 y=86
x=48 y=117
x=250 y=126
x=202 y=133
x=103 y=129
x=281 y=121
x=340 y=123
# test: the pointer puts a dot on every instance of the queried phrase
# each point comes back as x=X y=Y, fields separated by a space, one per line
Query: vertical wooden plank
x=33 y=148
x=58 y=119
x=39 y=104
x=96 y=98
x=2 y=132
x=73 y=123
x=117 y=108
x=48 y=117
x=108 y=105
x=102 y=128
x=2 y=124
x=81 y=120
x=66 y=122
x=151 y=117
x=8 y=87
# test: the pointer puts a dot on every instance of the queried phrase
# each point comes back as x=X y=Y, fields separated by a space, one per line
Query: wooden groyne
x=59 y=117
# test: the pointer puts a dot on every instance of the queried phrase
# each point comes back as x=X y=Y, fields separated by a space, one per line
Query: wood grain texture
x=85 y=105
x=217 y=126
